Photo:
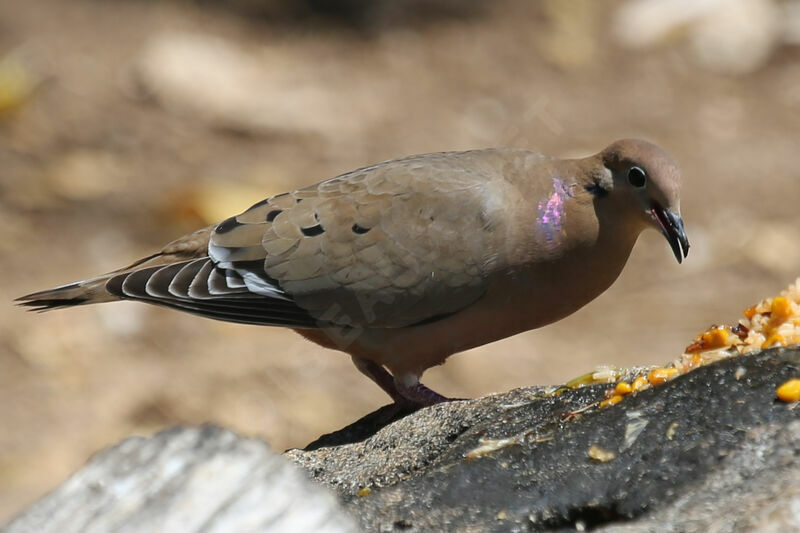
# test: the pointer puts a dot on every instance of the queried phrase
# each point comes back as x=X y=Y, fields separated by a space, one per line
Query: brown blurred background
x=124 y=124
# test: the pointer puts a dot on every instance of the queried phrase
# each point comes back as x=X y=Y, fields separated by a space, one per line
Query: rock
x=255 y=92
x=737 y=37
x=710 y=450
x=790 y=18
x=728 y=36
x=185 y=479
x=755 y=488
x=674 y=449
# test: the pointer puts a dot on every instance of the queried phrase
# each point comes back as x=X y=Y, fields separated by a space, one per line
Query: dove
x=406 y=262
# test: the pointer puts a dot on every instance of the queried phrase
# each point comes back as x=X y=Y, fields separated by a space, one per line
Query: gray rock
x=755 y=488
x=266 y=91
x=684 y=456
x=713 y=450
x=727 y=36
x=185 y=480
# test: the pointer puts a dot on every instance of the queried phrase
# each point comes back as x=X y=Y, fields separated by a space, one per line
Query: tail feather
x=94 y=290
x=192 y=285
x=82 y=292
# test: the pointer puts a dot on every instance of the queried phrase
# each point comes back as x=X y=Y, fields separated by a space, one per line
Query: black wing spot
x=312 y=231
x=360 y=230
x=298 y=200
x=272 y=214
x=226 y=225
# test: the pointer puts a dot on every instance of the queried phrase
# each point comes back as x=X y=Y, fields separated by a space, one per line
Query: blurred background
x=124 y=124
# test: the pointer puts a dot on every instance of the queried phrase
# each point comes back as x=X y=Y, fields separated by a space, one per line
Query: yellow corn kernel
x=715 y=338
x=364 y=492
x=608 y=402
x=781 y=309
x=772 y=340
x=657 y=376
x=695 y=361
x=789 y=391
x=639 y=383
x=623 y=388
x=580 y=381
x=601 y=455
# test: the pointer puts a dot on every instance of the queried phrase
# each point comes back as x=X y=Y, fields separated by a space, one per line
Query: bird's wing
x=391 y=245
x=395 y=244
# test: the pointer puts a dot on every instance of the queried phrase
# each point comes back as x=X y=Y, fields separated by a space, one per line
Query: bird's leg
x=380 y=376
x=406 y=391
x=409 y=387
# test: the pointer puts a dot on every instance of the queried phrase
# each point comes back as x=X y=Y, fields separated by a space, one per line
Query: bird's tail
x=93 y=290
x=88 y=291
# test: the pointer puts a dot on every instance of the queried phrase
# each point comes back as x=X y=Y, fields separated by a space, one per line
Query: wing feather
x=200 y=287
x=388 y=246
x=157 y=286
x=197 y=286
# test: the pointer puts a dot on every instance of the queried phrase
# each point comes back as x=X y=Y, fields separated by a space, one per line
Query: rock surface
x=713 y=450
x=706 y=450
x=728 y=36
x=185 y=480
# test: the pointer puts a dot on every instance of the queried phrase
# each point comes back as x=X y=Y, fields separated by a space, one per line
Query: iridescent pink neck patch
x=551 y=215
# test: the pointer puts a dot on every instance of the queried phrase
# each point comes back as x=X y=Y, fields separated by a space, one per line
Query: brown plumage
x=406 y=262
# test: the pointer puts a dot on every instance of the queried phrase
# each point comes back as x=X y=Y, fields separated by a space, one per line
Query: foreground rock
x=185 y=480
x=711 y=450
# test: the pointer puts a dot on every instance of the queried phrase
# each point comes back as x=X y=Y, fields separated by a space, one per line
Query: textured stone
x=185 y=479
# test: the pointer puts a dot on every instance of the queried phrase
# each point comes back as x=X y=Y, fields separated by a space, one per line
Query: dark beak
x=672 y=227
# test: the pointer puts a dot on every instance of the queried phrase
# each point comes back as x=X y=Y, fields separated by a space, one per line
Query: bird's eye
x=637 y=177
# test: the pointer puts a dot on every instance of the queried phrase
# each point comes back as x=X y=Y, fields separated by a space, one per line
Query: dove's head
x=643 y=182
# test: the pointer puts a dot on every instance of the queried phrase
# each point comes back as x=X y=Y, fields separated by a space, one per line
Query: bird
x=406 y=262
